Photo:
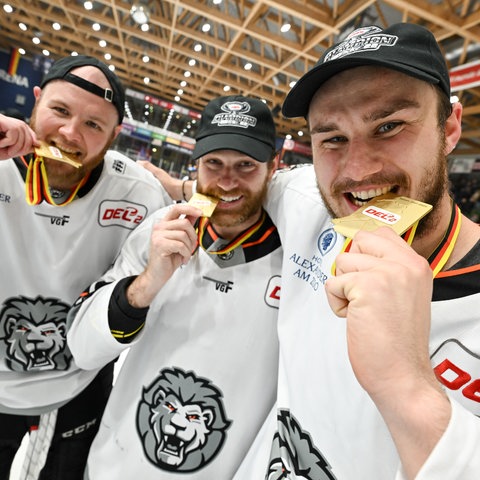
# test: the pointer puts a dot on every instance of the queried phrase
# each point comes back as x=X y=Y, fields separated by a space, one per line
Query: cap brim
x=298 y=100
x=252 y=147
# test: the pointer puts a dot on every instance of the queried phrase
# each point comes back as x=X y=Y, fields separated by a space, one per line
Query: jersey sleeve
x=90 y=337
x=457 y=454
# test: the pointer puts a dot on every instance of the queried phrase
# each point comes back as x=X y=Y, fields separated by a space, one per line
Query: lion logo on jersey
x=33 y=333
x=181 y=421
x=293 y=454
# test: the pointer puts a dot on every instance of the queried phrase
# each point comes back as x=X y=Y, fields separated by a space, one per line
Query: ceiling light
x=140 y=14
x=111 y=68
x=88 y=5
x=56 y=26
x=145 y=27
x=36 y=40
x=183 y=83
x=96 y=27
x=22 y=26
x=8 y=8
x=177 y=98
x=187 y=74
x=226 y=88
x=292 y=83
x=145 y=59
x=146 y=80
x=192 y=62
x=180 y=91
x=248 y=66
x=300 y=133
x=198 y=47
x=206 y=27
x=102 y=43
x=285 y=27
x=107 y=56
x=46 y=52
x=21 y=51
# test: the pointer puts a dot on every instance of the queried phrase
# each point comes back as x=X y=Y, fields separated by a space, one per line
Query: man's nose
x=227 y=179
x=70 y=129
x=361 y=160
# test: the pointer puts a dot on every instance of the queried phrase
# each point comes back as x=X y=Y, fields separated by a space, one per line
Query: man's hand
x=172 y=243
x=16 y=138
x=384 y=290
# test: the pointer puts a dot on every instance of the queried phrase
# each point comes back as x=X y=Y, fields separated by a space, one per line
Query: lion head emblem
x=33 y=332
x=293 y=454
x=181 y=421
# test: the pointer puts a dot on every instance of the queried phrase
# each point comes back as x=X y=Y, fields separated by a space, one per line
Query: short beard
x=250 y=209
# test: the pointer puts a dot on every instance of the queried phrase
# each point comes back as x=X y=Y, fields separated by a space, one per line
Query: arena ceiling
x=241 y=32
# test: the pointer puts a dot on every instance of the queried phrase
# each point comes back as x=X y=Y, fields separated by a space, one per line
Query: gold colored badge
x=49 y=151
x=398 y=213
x=203 y=202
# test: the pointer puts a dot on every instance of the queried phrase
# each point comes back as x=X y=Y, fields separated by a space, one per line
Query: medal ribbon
x=442 y=253
x=236 y=242
x=36 y=185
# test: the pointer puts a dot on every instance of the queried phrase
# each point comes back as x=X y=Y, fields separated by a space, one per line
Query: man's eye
x=337 y=139
x=388 y=127
x=246 y=166
x=94 y=125
x=62 y=111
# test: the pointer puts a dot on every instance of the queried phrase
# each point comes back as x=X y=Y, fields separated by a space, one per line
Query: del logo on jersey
x=121 y=213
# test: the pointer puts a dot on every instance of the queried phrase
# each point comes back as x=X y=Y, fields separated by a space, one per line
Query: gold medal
x=204 y=203
x=398 y=213
x=49 y=151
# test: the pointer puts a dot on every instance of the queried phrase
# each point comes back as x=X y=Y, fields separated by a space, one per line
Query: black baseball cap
x=236 y=123
x=60 y=70
x=406 y=47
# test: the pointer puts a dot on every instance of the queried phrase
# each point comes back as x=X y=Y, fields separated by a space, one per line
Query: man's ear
x=453 y=127
x=117 y=130
x=37 y=92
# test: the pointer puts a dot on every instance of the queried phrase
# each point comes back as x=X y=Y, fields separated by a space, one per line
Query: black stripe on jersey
x=263 y=242
x=460 y=283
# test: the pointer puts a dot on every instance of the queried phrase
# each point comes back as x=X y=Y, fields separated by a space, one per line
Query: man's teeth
x=359 y=198
x=230 y=199
x=67 y=150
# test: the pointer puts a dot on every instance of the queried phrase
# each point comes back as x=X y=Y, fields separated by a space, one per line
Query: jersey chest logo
x=121 y=213
x=457 y=368
x=181 y=421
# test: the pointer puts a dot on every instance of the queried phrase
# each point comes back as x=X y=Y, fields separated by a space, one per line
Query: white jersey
x=325 y=426
x=49 y=255
x=200 y=379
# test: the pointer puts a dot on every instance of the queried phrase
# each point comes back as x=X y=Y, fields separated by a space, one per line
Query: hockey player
x=63 y=223
x=195 y=300
x=379 y=393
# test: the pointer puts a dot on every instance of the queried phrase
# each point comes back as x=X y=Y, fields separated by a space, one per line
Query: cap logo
x=234 y=115
x=361 y=40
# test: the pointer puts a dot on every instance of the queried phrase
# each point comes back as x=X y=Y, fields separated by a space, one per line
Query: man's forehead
x=368 y=84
